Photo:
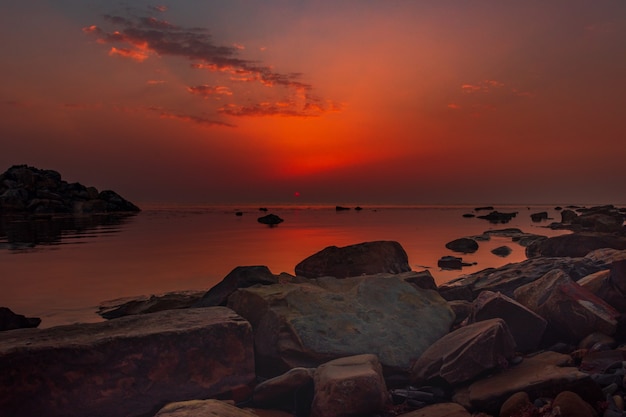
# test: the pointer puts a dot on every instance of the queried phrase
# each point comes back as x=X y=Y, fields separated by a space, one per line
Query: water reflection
x=21 y=233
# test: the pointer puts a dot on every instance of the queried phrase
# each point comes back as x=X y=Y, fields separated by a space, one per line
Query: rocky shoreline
x=355 y=332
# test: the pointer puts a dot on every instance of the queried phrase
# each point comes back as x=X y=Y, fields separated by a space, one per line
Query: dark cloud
x=204 y=121
x=139 y=37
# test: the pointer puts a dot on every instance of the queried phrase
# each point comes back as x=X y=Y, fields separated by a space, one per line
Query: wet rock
x=502 y=251
x=543 y=375
x=463 y=245
x=306 y=324
x=496 y=217
x=570 y=404
x=11 y=321
x=571 y=311
x=354 y=260
x=202 y=408
x=465 y=353
x=129 y=366
x=537 y=217
x=526 y=327
x=148 y=304
x=439 y=410
x=240 y=277
x=270 y=220
x=350 y=386
x=575 y=244
x=282 y=392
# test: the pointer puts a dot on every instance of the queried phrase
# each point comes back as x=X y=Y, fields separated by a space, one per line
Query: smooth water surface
x=173 y=248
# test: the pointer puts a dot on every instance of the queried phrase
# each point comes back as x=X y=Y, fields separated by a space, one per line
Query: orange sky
x=344 y=102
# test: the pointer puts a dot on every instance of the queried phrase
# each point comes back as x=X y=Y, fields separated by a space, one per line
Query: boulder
x=525 y=326
x=575 y=244
x=462 y=309
x=422 y=279
x=439 y=410
x=310 y=323
x=543 y=375
x=240 y=277
x=350 y=386
x=502 y=251
x=350 y=261
x=270 y=220
x=507 y=278
x=125 y=367
x=537 y=217
x=570 y=404
x=285 y=390
x=203 y=408
x=463 y=245
x=609 y=285
x=516 y=405
x=10 y=321
x=465 y=353
x=571 y=311
x=568 y=216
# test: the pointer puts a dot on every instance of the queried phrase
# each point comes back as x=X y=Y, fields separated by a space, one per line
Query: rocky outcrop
x=350 y=386
x=240 y=277
x=113 y=309
x=571 y=311
x=10 y=321
x=465 y=353
x=350 y=261
x=29 y=190
x=305 y=325
x=575 y=244
x=125 y=367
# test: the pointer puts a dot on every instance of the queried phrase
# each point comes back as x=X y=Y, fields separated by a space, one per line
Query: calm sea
x=61 y=273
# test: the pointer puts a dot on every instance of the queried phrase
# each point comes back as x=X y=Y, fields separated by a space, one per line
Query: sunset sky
x=424 y=102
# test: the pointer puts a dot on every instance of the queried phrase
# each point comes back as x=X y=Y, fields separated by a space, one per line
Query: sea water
x=62 y=275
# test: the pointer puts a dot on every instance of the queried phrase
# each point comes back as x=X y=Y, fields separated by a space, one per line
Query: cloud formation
x=139 y=38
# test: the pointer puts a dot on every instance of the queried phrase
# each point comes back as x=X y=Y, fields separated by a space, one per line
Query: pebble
x=619 y=402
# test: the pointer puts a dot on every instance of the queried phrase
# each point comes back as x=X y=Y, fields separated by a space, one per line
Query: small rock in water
x=270 y=219
x=341 y=208
x=502 y=251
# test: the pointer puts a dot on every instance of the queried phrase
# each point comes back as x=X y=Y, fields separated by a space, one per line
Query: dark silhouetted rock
x=240 y=277
x=568 y=216
x=525 y=326
x=450 y=262
x=350 y=386
x=270 y=220
x=575 y=244
x=422 y=279
x=350 y=261
x=282 y=391
x=465 y=353
x=358 y=208
x=571 y=311
x=10 y=321
x=341 y=208
x=537 y=217
x=484 y=208
x=129 y=366
x=502 y=251
x=463 y=245
x=29 y=190
x=543 y=375
x=307 y=324
x=469 y=215
x=239 y=213
x=496 y=217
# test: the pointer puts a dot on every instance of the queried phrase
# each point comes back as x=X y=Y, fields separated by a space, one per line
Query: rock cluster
x=29 y=190
x=543 y=337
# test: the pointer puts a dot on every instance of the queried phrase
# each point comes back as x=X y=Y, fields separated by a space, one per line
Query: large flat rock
x=311 y=323
x=129 y=366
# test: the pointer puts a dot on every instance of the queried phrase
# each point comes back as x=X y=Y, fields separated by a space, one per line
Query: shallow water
x=63 y=278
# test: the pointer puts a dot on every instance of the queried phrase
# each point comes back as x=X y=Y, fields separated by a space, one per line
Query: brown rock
x=351 y=261
x=439 y=410
x=124 y=367
x=571 y=310
x=203 y=408
x=240 y=277
x=463 y=245
x=571 y=405
x=465 y=353
x=351 y=386
x=516 y=405
x=275 y=392
x=422 y=279
x=543 y=375
x=525 y=326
